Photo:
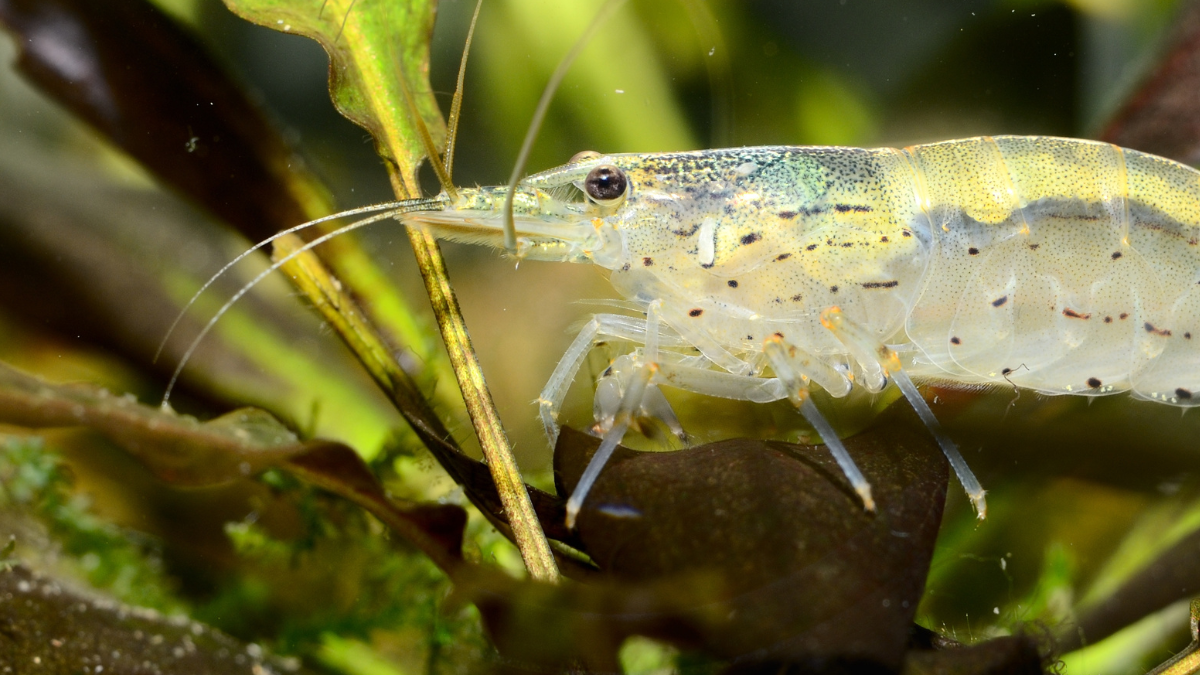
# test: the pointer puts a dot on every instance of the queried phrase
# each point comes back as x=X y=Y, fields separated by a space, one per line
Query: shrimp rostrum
x=1061 y=266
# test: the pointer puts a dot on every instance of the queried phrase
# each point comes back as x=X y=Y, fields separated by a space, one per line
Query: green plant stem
x=1186 y=662
x=535 y=550
x=343 y=314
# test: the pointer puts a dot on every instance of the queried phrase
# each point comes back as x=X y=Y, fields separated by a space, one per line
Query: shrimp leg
x=795 y=369
x=609 y=390
x=600 y=325
x=631 y=403
x=871 y=352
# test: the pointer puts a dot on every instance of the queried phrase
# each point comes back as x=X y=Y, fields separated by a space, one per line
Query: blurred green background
x=1081 y=494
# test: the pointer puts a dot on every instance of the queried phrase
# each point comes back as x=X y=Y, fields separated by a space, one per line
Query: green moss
x=120 y=562
x=342 y=581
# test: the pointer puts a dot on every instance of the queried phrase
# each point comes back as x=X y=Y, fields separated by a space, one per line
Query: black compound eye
x=605 y=183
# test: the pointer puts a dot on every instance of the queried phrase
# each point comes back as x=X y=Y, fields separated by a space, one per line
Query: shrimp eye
x=584 y=155
x=605 y=183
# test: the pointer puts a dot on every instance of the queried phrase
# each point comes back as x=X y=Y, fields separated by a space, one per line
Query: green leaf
x=379 y=53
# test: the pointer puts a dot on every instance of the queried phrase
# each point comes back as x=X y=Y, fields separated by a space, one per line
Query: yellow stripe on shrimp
x=1062 y=266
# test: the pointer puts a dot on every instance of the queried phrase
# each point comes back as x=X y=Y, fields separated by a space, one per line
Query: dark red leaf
x=1162 y=116
x=152 y=89
x=807 y=574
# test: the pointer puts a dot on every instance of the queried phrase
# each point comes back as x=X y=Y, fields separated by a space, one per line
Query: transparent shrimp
x=1056 y=265
x=1062 y=266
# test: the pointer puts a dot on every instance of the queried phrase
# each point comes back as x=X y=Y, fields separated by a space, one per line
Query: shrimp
x=1057 y=265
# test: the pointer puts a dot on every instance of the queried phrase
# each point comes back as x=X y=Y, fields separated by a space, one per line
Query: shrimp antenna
x=539 y=114
x=404 y=207
x=211 y=280
x=431 y=152
x=456 y=102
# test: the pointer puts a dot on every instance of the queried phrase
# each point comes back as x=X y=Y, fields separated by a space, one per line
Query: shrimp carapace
x=1062 y=266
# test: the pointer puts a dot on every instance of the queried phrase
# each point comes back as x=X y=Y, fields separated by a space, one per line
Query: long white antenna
x=407 y=207
x=252 y=249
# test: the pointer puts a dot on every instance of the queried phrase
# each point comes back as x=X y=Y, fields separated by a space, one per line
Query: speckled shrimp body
x=1063 y=266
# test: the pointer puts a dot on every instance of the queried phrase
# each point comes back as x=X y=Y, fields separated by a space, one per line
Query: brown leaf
x=809 y=575
x=47 y=627
x=581 y=626
x=1162 y=115
x=1015 y=655
x=150 y=87
x=186 y=452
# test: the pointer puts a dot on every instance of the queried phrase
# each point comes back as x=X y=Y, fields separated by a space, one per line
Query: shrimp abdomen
x=1061 y=265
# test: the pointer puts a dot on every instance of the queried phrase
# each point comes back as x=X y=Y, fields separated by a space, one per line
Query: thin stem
x=527 y=530
x=456 y=102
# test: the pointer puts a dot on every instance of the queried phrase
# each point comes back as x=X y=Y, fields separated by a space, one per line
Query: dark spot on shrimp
x=751 y=238
x=797 y=297
x=1187 y=336
x=707 y=265
x=779 y=335
x=1116 y=255
x=955 y=341
x=647 y=261
x=833 y=289
x=785 y=256
x=883 y=239
x=829 y=242
x=1123 y=316
x=625 y=267
x=687 y=233
x=749 y=337
x=1150 y=328
x=1183 y=393
x=847 y=244
x=906 y=233
x=1034 y=247
x=1108 y=319
x=846 y=208
x=1072 y=314
x=973 y=251
x=1094 y=383
x=810 y=247
x=999 y=302
x=695 y=312
x=1193 y=241
x=732 y=283
x=787 y=215
x=881 y=284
